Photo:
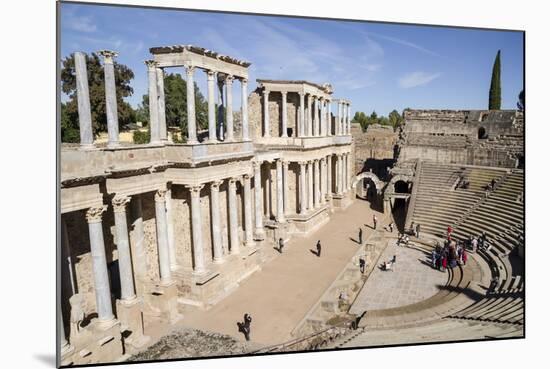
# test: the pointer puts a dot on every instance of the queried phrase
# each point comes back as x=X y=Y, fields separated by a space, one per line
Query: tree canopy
x=494 y=91
x=96 y=83
x=394 y=119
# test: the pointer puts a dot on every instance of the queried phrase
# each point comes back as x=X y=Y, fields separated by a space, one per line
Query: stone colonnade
x=314 y=115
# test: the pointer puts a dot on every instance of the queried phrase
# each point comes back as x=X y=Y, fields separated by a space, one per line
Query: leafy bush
x=141 y=137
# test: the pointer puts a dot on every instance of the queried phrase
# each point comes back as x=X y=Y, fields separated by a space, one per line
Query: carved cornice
x=94 y=215
x=199 y=51
x=82 y=181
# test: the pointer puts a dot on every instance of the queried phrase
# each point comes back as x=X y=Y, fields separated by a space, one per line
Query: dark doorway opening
x=401 y=187
x=481 y=133
x=399 y=212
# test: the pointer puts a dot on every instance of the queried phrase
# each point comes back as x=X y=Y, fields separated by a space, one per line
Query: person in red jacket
x=464 y=257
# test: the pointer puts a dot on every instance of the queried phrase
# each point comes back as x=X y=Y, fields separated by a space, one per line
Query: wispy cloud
x=79 y=23
x=416 y=79
x=405 y=43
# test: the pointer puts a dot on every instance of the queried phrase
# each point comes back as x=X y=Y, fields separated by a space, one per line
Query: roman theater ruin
x=171 y=235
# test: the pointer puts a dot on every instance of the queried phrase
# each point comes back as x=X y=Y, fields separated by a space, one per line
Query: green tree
x=521 y=101
x=395 y=119
x=175 y=102
x=96 y=85
x=494 y=91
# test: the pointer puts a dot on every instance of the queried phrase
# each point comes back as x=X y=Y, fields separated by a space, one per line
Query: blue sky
x=377 y=66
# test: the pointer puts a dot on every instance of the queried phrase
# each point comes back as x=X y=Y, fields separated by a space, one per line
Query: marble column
x=162 y=237
x=329 y=118
x=229 y=134
x=137 y=237
x=216 y=222
x=284 y=113
x=247 y=211
x=302 y=199
x=268 y=192
x=127 y=288
x=340 y=174
x=337 y=174
x=110 y=97
x=66 y=256
x=323 y=182
x=170 y=230
x=286 y=199
x=196 y=229
x=161 y=105
x=191 y=116
x=349 y=119
x=259 y=229
x=99 y=264
x=322 y=117
x=345 y=176
x=83 y=99
x=279 y=190
x=310 y=116
x=301 y=126
x=316 y=116
x=317 y=184
x=211 y=106
x=337 y=127
x=233 y=219
x=266 y=113
x=329 y=176
x=220 y=129
x=244 y=109
x=154 y=127
x=310 y=184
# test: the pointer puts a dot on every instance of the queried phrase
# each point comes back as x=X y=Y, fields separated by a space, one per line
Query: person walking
x=362 y=265
x=434 y=256
x=417 y=230
x=474 y=244
x=246 y=326
x=318 y=246
x=360 y=235
x=281 y=244
x=464 y=257
x=374 y=221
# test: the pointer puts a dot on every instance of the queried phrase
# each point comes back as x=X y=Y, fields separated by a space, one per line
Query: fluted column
x=322 y=179
x=302 y=202
x=279 y=190
x=154 y=127
x=83 y=99
x=191 y=116
x=247 y=211
x=244 y=109
x=310 y=184
x=99 y=264
x=337 y=127
x=211 y=106
x=286 y=199
x=349 y=118
x=233 y=220
x=170 y=230
x=229 y=135
x=127 y=288
x=161 y=105
x=302 y=117
x=346 y=174
x=266 y=114
x=329 y=176
x=317 y=184
x=316 y=116
x=196 y=229
x=216 y=223
x=329 y=118
x=310 y=116
x=259 y=228
x=110 y=97
x=284 y=113
x=162 y=237
x=137 y=237
x=322 y=116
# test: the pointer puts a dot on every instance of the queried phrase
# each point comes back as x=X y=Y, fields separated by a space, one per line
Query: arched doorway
x=368 y=187
x=481 y=133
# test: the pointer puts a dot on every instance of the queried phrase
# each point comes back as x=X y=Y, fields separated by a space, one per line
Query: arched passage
x=481 y=133
x=369 y=187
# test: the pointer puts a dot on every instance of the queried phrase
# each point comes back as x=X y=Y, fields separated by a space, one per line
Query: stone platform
x=412 y=280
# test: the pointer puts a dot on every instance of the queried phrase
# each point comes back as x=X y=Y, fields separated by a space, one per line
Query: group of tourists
x=462 y=183
x=449 y=256
x=490 y=187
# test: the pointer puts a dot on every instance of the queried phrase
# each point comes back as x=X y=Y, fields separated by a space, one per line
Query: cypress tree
x=494 y=92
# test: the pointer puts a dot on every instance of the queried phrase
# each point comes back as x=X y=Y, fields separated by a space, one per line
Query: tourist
x=493 y=184
x=449 y=231
x=486 y=192
x=281 y=244
x=362 y=265
x=434 y=257
x=412 y=228
x=374 y=221
x=360 y=235
x=318 y=247
x=474 y=244
x=417 y=230
x=464 y=257
x=390 y=226
x=406 y=240
x=444 y=262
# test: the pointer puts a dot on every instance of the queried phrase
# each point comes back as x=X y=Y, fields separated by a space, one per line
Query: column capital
x=257 y=164
x=302 y=93
x=247 y=177
x=160 y=195
x=108 y=55
x=233 y=180
x=151 y=64
x=284 y=93
x=190 y=69
x=119 y=203
x=94 y=215
x=215 y=185
x=266 y=91
x=194 y=189
x=285 y=163
x=302 y=162
x=229 y=79
x=244 y=80
x=210 y=73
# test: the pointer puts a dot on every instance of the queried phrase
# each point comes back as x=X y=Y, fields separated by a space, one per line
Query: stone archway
x=377 y=182
x=369 y=187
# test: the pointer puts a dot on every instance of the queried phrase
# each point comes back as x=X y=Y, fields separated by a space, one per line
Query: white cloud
x=406 y=43
x=416 y=79
x=80 y=23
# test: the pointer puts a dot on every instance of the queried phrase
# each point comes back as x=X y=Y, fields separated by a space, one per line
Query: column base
x=259 y=234
x=130 y=314
x=219 y=261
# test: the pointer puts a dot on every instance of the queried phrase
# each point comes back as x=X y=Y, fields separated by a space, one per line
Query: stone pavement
x=279 y=296
x=412 y=280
